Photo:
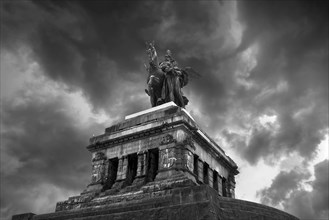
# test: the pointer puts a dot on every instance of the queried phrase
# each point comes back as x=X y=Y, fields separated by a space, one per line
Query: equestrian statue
x=165 y=79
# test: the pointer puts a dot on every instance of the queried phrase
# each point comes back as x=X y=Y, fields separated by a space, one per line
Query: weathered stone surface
x=158 y=164
x=25 y=216
x=193 y=203
x=178 y=140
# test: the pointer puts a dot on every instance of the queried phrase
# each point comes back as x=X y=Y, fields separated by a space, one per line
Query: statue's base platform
x=194 y=202
x=158 y=164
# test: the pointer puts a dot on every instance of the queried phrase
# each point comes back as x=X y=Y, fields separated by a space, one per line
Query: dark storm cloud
x=320 y=195
x=291 y=76
x=89 y=50
x=296 y=133
x=304 y=204
x=282 y=185
x=296 y=21
x=98 y=46
x=41 y=144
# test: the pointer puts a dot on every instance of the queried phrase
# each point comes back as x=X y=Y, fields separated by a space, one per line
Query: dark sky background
x=69 y=69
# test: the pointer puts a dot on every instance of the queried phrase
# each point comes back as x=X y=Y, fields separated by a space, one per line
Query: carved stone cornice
x=136 y=136
x=151 y=128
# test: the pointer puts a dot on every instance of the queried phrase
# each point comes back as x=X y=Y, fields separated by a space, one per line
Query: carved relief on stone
x=167 y=139
x=98 y=168
x=99 y=156
x=167 y=158
x=189 y=160
x=189 y=141
x=98 y=172
x=180 y=135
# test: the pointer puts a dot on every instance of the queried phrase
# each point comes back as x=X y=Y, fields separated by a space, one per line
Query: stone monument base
x=193 y=203
x=158 y=164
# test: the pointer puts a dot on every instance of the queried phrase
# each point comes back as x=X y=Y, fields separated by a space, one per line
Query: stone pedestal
x=192 y=203
x=25 y=216
x=158 y=164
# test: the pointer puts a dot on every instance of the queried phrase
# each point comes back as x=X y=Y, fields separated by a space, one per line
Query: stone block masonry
x=194 y=202
x=158 y=164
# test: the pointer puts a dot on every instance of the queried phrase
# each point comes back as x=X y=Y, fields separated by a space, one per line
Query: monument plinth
x=158 y=149
x=158 y=164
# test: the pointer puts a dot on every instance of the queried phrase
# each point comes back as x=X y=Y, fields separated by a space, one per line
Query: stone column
x=141 y=169
x=141 y=166
x=99 y=172
x=200 y=171
x=220 y=186
x=231 y=186
x=145 y=163
x=224 y=184
x=231 y=191
x=210 y=177
x=121 y=173
x=112 y=170
x=122 y=168
x=188 y=160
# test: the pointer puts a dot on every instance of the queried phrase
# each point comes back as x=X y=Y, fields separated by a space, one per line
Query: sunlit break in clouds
x=69 y=69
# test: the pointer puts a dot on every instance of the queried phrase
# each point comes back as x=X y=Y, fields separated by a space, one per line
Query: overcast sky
x=69 y=69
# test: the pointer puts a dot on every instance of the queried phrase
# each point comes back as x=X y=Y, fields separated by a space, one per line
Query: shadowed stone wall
x=193 y=203
x=158 y=164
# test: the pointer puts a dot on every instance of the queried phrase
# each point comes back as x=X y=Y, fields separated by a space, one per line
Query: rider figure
x=165 y=79
x=174 y=81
